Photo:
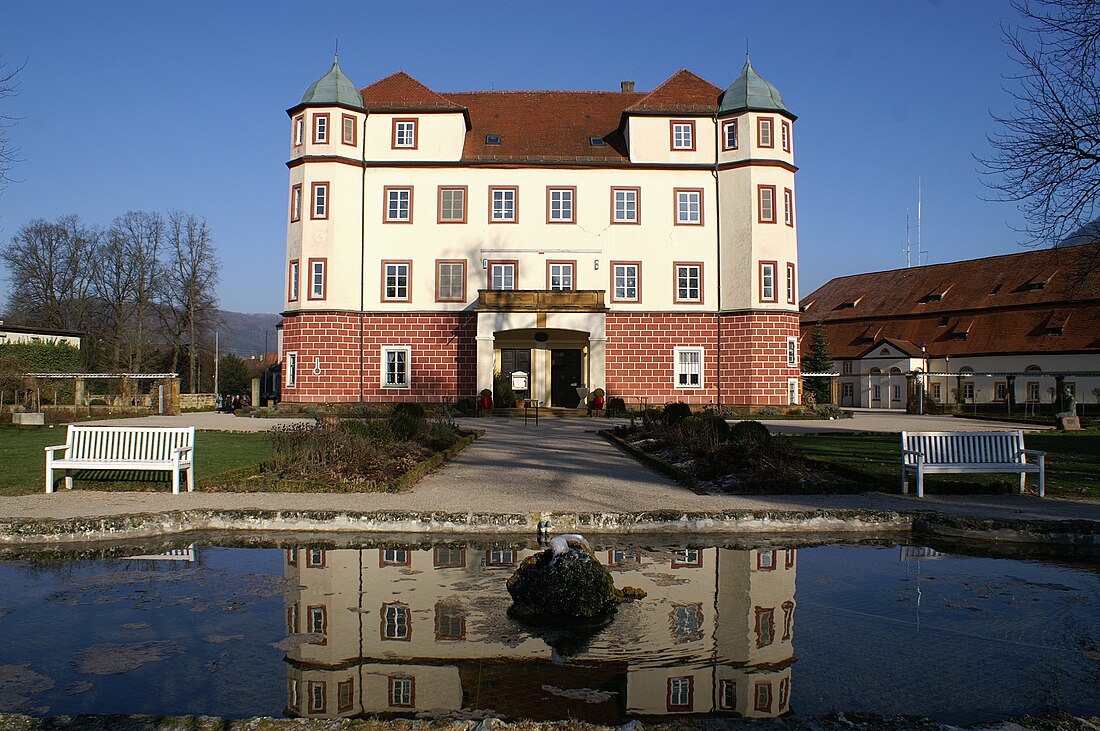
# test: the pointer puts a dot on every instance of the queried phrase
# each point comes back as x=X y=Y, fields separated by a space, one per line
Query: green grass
x=1073 y=463
x=23 y=459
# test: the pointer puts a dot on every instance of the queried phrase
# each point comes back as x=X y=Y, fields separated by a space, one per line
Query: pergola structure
x=168 y=393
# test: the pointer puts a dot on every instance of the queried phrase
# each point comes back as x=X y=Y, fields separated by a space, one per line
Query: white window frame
x=406 y=352
x=686 y=371
x=624 y=205
x=792 y=391
x=319 y=204
x=689 y=273
x=317 y=279
x=503 y=205
x=399 y=205
x=788 y=206
x=562 y=205
x=320 y=129
x=729 y=135
x=399 y=611
x=505 y=272
x=683 y=135
x=792 y=352
x=291 y=369
x=295 y=274
x=791 y=284
x=401 y=692
x=401 y=272
x=767 y=282
x=561 y=276
x=627 y=273
x=680 y=692
x=299 y=131
x=296 y=203
x=689 y=207
x=404 y=134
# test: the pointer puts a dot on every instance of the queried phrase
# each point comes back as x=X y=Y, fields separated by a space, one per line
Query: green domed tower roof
x=751 y=91
x=333 y=89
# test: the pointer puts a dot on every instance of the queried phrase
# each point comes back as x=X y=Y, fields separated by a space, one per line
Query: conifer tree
x=817 y=360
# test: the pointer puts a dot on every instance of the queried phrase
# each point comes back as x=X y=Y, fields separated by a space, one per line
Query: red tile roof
x=551 y=126
x=683 y=92
x=1045 y=301
x=401 y=91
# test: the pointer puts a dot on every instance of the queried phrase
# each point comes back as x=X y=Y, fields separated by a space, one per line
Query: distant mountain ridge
x=242 y=333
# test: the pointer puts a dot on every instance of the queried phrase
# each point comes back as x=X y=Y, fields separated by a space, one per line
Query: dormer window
x=404 y=134
x=492 y=139
x=683 y=134
x=596 y=141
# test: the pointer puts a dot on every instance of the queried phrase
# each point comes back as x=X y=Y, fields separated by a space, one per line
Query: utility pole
x=216 y=364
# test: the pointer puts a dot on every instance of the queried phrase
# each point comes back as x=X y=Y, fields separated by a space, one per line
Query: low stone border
x=482 y=722
x=14 y=532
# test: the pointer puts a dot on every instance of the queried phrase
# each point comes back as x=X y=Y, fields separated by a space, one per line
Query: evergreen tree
x=817 y=360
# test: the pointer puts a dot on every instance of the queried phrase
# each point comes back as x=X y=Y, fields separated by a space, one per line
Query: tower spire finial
x=336 y=56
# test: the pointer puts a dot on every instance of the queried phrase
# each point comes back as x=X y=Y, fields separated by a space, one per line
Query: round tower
x=323 y=252
x=758 y=243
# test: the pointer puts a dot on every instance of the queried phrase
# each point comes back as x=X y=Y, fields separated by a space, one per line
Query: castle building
x=643 y=243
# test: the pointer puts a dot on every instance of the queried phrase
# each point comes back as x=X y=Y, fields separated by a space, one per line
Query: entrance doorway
x=565 y=377
x=516 y=359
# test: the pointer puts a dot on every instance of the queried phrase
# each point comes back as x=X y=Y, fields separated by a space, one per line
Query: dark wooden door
x=565 y=377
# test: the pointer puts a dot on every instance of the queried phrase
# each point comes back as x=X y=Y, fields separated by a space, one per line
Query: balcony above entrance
x=540 y=300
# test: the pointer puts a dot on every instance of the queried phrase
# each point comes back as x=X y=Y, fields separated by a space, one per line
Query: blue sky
x=151 y=105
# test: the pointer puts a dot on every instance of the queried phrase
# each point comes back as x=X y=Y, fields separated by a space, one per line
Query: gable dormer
x=407 y=121
x=674 y=123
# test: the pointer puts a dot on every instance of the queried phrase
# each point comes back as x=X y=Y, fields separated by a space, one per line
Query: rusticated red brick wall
x=640 y=360
x=754 y=362
x=443 y=355
x=640 y=356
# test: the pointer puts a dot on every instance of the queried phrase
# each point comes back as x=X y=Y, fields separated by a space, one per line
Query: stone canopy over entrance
x=565 y=350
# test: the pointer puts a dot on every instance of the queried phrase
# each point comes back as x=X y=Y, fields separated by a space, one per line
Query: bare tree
x=1047 y=156
x=134 y=244
x=189 y=302
x=8 y=153
x=52 y=266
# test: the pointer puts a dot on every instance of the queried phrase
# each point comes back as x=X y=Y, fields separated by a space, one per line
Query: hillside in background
x=242 y=333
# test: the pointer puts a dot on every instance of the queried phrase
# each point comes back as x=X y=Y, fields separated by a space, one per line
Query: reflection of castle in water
x=401 y=631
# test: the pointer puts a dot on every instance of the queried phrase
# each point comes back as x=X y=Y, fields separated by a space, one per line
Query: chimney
x=628 y=87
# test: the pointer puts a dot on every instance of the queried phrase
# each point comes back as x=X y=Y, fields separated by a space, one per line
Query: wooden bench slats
x=92 y=447
x=962 y=452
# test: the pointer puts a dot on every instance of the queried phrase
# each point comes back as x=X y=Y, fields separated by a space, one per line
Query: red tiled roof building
x=1017 y=327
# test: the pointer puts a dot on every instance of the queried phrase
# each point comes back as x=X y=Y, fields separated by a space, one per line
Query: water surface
x=397 y=629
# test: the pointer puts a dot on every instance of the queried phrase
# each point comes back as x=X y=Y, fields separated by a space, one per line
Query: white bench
x=153 y=448
x=941 y=452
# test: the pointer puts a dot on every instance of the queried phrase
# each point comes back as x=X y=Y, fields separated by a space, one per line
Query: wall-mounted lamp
x=596 y=264
x=484 y=263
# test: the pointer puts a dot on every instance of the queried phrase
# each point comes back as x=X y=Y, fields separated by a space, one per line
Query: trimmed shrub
x=749 y=435
x=409 y=407
x=404 y=426
x=676 y=413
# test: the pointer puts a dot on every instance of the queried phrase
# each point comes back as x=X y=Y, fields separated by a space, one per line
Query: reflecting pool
x=388 y=628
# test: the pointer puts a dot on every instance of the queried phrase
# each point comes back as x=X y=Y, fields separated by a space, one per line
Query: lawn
x=23 y=459
x=1073 y=463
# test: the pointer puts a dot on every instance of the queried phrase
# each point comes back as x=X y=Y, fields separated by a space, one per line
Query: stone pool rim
x=736 y=522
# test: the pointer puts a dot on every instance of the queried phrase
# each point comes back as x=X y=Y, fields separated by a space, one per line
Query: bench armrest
x=918 y=453
x=1035 y=452
x=180 y=451
x=55 y=448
